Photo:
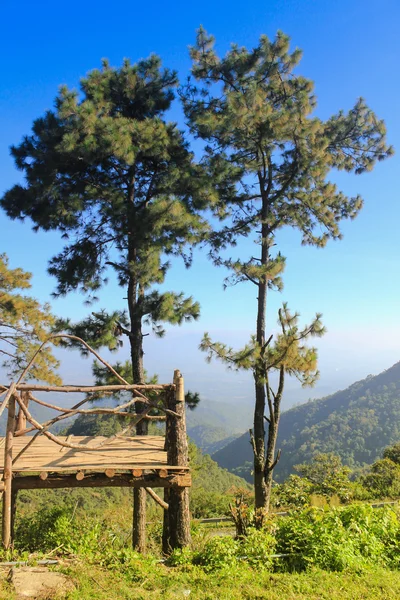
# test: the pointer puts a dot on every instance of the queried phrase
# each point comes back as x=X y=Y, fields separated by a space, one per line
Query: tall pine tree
x=270 y=159
x=118 y=181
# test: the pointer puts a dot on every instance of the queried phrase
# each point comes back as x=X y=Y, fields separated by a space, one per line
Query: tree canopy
x=119 y=182
x=24 y=325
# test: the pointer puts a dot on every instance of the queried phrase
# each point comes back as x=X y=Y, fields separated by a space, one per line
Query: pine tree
x=24 y=325
x=119 y=182
x=269 y=158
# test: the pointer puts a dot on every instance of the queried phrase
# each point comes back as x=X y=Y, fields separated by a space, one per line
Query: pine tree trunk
x=271 y=457
x=269 y=463
x=139 y=520
x=176 y=529
x=262 y=493
x=136 y=346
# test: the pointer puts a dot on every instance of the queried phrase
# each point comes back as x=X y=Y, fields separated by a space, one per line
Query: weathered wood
x=156 y=498
x=57 y=440
x=7 y=474
x=43 y=475
x=68 y=439
x=139 y=523
x=21 y=419
x=85 y=411
x=80 y=476
x=128 y=453
x=165 y=532
x=33 y=387
x=43 y=429
x=92 y=480
x=9 y=393
x=14 y=494
x=177 y=531
x=163 y=473
x=47 y=423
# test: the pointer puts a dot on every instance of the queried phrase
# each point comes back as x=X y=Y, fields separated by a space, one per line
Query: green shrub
x=205 y=504
x=257 y=548
x=180 y=557
x=218 y=553
x=293 y=493
x=315 y=537
x=56 y=528
x=336 y=539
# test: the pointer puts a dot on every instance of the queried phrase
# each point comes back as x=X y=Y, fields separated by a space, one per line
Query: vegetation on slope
x=356 y=424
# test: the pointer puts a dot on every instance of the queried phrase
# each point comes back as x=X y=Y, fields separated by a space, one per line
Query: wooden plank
x=120 y=454
x=34 y=387
x=101 y=480
x=101 y=468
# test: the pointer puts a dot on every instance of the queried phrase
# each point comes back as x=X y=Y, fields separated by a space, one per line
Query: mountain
x=213 y=425
x=356 y=423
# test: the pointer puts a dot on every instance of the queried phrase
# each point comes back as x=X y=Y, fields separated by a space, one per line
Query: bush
x=293 y=493
x=383 y=480
x=257 y=549
x=205 y=504
x=55 y=528
x=340 y=538
x=218 y=553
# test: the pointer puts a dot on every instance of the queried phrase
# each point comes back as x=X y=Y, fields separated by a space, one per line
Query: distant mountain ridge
x=356 y=423
x=213 y=425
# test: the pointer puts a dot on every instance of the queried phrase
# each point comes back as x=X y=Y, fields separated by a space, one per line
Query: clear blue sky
x=351 y=49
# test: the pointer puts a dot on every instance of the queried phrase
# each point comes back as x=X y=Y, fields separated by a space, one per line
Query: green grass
x=93 y=583
x=345 y=553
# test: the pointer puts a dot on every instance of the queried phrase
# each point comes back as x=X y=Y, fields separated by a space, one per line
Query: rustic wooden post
x=7 y=475
x=177 y=529
x=139 y=523
x=165 y=533
x=21 y=419
x=14 y=494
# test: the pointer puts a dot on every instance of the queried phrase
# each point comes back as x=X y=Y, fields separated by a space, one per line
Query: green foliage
x=258 y=548
x=355 y=537
x=53 y=527
x=255 y=111
x=295 y=492
x=288 y=351
x=157 y=581
x=106 y=170
x=24 y=325
x=327 y=475
x=218 y=553
x=383 y=480
x=106 y=425
x=393 y=453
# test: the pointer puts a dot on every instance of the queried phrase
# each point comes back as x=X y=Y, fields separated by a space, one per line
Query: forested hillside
x=355 y=423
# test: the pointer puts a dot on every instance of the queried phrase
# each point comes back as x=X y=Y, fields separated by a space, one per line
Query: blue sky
x=351 y=49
